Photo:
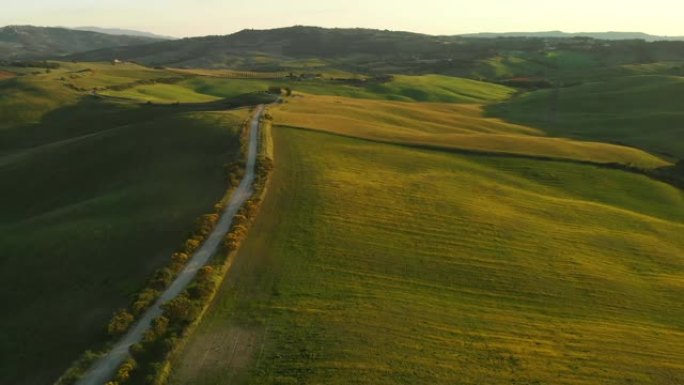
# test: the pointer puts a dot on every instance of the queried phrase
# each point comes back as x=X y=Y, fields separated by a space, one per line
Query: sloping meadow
x=380 y=264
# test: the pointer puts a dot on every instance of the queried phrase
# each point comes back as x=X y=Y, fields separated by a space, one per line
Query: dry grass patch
x=6 y=75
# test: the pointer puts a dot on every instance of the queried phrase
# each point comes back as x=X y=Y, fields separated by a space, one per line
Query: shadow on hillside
x=547 y=122
x=673 y=175
x=93 y=114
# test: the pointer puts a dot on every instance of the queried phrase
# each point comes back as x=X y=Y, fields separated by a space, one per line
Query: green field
x=99 y=75
x=379 y=264
x=447 y=126
x=162 y=93
x=449 y=114
x=428 y=88
x=27 y=99
x=421 y=230
x=640 y=111
x=95 y=197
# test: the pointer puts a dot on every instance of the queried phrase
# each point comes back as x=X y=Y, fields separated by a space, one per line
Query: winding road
x=105 y=368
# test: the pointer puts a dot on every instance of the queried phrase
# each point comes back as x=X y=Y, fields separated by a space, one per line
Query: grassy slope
x=97 y=75
x=564 y=65
x=162 y=93
x=27 y=99
x=459 y=126
x=427 y=88
x=640 y=111
x=522 y=183
x=225 y=73
x=436 y=88
x=377 y=264
x=95 y=196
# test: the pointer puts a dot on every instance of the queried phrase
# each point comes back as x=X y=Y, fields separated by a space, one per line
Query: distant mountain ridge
x=18 y=42
x=290 y=42
x=306 y=49
x=594 y=35
x=122 y=31
x=380 y=51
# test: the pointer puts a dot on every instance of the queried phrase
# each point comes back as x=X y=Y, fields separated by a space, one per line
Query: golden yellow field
x=380 y=264
x=456 y=126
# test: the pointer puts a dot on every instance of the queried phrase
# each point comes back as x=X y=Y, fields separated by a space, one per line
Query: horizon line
x=133 y=29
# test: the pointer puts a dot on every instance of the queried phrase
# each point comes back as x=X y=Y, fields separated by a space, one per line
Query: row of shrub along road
x=186 y=307
x=150 y=361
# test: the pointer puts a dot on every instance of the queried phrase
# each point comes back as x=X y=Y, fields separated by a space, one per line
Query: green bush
x=125 y=371
x=120 y=322
x=158 y=329
x=206 y=223
x=204 y=285
x=162 y=278
x=144 y=300
x=181 y=309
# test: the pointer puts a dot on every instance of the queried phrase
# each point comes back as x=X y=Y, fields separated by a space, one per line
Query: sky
x=182 y=18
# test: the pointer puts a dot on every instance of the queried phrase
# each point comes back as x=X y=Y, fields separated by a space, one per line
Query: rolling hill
x=430 y=110
x=592 y=35
x=427 y=220
x=96 y=195
x=261 y=47
x=126 y=32
x=380 y=264
x=313 y=49
x=642 y=111
x=448 y=127
x=29 y=42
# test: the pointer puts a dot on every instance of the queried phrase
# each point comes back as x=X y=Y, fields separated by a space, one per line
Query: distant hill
x=282 y=43
x=593 y=35
x=28 y=42
x=313 y=50
x=127 y=32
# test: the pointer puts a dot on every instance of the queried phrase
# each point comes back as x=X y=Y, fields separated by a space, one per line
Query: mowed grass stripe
x=380 y=264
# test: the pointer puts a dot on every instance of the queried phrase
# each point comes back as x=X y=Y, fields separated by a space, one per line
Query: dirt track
x=104 y=368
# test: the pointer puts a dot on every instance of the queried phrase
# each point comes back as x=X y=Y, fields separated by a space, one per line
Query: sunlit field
x=380 y=264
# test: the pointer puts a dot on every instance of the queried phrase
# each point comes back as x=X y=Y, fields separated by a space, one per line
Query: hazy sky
x=217 y=17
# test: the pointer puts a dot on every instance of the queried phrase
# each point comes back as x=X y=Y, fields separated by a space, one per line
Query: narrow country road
x=103 y=369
